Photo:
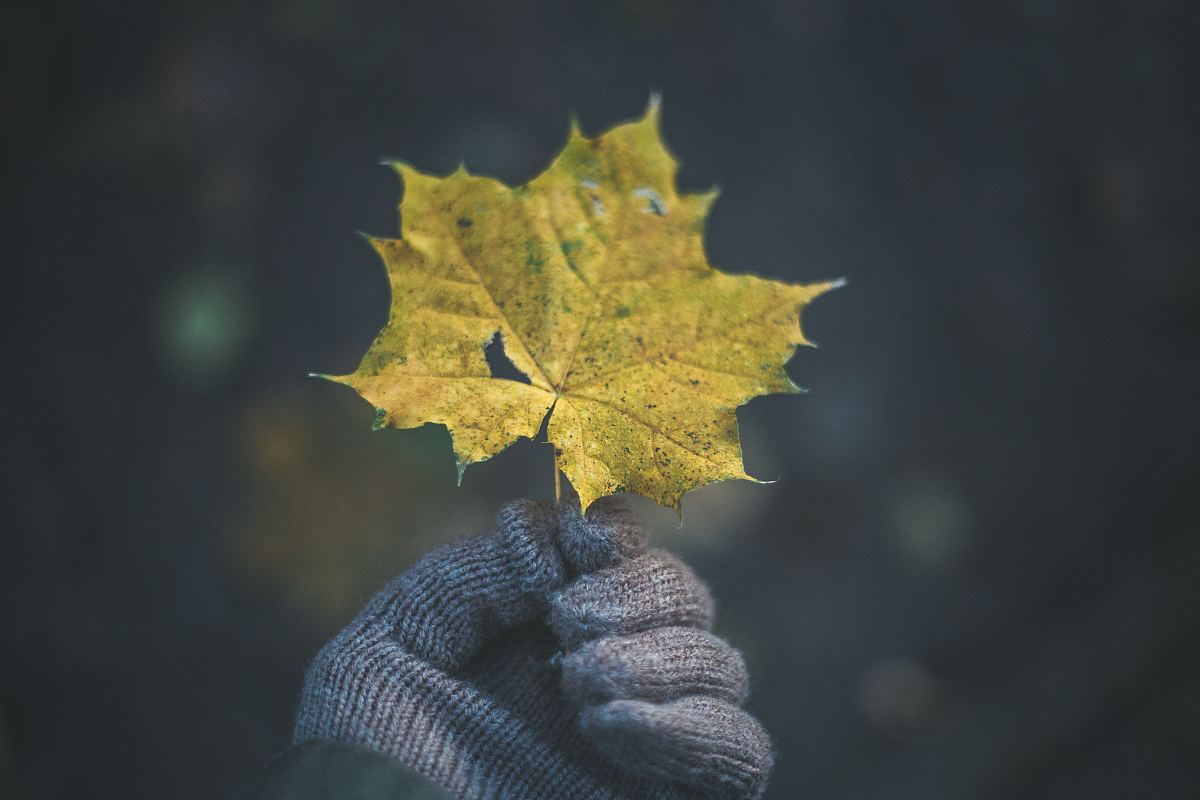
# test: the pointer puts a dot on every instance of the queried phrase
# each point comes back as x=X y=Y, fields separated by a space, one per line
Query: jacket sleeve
x=324 y=769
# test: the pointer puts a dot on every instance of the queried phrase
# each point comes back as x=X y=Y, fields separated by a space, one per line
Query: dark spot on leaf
x=464 y=222
x=534 y=259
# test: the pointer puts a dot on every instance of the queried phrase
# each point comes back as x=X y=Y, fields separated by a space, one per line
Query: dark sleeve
x=324 y=769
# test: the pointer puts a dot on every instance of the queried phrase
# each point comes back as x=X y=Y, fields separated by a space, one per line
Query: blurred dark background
x=979 y=573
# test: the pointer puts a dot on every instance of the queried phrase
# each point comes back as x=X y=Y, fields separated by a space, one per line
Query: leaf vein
x=499 y=311
x=654 y=430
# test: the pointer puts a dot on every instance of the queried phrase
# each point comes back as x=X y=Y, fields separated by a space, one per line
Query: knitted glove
x=553 y=658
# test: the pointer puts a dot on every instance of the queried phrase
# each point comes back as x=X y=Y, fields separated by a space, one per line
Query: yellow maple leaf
x=595 y=276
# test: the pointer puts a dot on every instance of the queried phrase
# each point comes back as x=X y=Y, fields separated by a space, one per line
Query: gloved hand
x=553 y=658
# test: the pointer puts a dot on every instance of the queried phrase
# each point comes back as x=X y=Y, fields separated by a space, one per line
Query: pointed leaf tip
x=340 y=379
x=405 y=170
x=573 y=129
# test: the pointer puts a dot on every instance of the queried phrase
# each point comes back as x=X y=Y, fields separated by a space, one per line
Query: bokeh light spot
x=204 y=319
x=930 y=523
x=900 y=698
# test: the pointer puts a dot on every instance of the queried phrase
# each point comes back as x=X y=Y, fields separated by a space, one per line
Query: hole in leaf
x=500 y=364
x=654 y=203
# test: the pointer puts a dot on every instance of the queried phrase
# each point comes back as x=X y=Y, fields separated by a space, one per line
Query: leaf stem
x=557 y=479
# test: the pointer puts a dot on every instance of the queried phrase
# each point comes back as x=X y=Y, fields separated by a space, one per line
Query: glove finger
x=698 y=741
x=660 y=664
x=608 y=533
x=462 y=595
x=651 y=591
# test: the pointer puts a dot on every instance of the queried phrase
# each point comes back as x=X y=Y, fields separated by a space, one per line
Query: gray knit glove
x=553 y=658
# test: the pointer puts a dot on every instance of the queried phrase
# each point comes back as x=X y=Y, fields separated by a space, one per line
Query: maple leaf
x=594 y=275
